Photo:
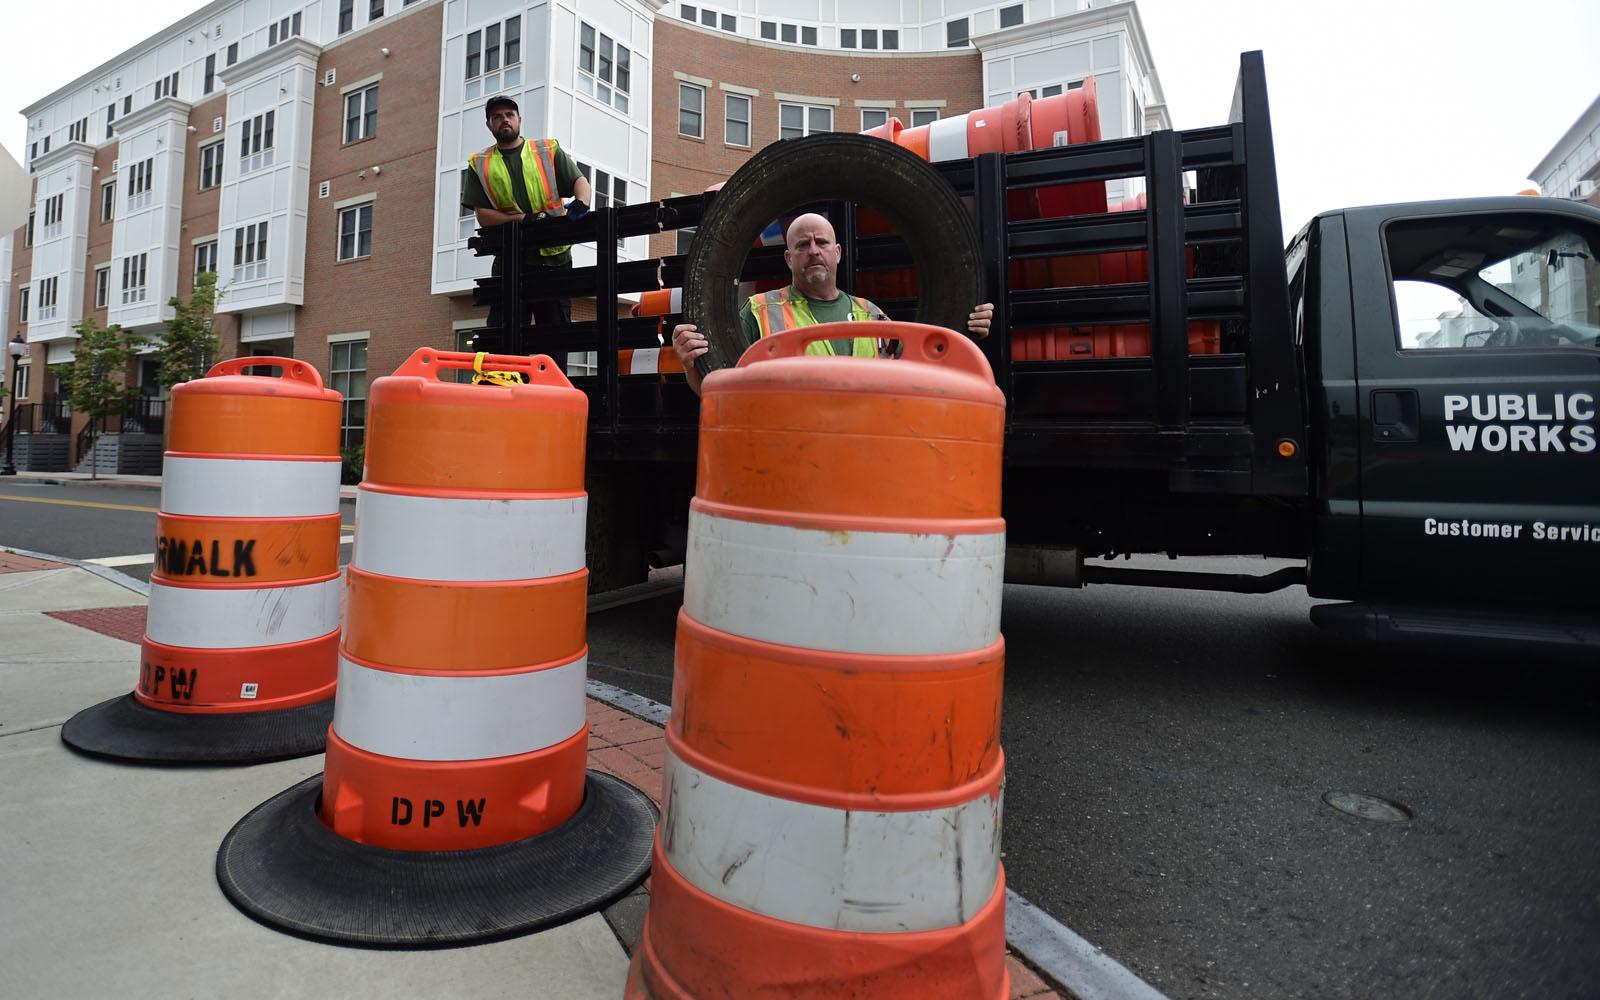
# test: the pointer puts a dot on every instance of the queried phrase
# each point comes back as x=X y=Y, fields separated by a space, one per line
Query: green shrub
x=355 y=460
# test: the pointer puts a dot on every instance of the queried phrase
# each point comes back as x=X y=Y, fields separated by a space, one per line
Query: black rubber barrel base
x=284 y=868
x=125 y=729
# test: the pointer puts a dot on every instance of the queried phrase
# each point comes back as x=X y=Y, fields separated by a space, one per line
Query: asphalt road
x=1168 y=757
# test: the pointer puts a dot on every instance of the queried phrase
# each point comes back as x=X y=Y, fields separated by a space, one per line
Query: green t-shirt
x=474 y=196
x=835 y=311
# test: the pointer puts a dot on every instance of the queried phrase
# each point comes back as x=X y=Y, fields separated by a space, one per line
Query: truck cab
x=1454 y=368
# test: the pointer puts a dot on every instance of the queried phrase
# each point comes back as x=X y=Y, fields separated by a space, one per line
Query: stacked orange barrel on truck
x=833 y=768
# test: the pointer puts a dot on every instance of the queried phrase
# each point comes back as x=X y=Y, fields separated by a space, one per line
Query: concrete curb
x=1078 y=968
x=152 y=483
x=103 y=572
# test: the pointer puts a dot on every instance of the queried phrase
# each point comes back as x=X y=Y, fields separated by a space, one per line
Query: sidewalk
x=110 y=479
x=111 y=889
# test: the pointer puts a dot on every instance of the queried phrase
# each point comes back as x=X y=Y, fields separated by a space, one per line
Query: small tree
x=96 y=379
x=190 y=345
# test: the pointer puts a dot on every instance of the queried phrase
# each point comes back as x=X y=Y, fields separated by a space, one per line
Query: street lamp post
x=16 y=349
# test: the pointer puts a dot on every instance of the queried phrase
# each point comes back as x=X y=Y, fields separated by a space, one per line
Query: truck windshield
x=1496 y=282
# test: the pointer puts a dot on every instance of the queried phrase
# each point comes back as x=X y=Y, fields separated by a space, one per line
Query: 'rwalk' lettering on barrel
x=401 y=811
x=180 y=557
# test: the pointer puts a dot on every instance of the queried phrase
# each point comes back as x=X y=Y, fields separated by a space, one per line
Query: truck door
x=1479 y=383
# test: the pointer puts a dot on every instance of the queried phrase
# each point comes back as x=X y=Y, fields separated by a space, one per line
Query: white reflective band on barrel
x=440 y=538
x=947 y=139
x=456 y=717
x=646 y=361
x=241 y=618
x=845 y=591
x=241 y=487
x=876 y=872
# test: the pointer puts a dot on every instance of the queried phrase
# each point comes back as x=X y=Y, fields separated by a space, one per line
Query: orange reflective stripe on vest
x=779 y=310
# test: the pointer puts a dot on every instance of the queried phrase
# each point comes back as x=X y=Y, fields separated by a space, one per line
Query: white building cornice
x=1586 y=123
x=1124 y=14
x=186 y=28
x=283 y=54
x=168 y=108
x=67 y=152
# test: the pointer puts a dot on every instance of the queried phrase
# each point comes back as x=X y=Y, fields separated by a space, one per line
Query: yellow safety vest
x=781 y=309
x=538 y=176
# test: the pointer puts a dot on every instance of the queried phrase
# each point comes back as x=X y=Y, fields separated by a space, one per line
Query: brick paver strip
x=12 y=563
x=126 y=624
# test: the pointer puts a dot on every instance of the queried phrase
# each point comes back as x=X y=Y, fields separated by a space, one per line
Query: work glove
x=576 y=209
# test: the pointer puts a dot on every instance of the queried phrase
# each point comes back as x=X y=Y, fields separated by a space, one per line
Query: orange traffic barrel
x=833 y=768
x=240 y=651
x=461 y=733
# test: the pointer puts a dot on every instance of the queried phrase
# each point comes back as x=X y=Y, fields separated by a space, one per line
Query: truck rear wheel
x=917 y=201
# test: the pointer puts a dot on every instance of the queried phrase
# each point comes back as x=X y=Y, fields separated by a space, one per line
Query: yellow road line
x=106 y=506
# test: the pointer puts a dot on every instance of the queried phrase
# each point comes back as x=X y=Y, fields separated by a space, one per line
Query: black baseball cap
x=499 y=102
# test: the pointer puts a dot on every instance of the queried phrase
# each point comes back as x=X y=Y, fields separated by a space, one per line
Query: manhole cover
x=1368 y=807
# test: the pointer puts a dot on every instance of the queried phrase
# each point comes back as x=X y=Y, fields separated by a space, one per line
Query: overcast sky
x=1398 y=100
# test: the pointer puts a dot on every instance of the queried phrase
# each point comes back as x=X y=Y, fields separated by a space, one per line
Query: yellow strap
x=481 y=377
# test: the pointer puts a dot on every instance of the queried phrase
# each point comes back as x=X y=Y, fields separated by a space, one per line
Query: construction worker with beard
x=813 y=296
x=515 y=180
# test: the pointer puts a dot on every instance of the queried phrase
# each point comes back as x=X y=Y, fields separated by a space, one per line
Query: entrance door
x=1479 y=381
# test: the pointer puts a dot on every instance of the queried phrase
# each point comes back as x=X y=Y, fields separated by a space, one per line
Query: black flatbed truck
x=1441 y=485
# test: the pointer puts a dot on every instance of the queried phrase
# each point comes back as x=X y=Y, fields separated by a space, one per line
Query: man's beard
x=815 y=278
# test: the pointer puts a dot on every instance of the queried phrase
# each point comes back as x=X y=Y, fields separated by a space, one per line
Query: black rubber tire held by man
x=874 y=173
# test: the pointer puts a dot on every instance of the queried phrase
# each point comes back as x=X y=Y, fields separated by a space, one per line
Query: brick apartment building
x=309 y=151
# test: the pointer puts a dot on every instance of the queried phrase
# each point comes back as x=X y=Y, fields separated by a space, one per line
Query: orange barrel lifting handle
x=925 y=343
x=290 y=369
x=428 y=363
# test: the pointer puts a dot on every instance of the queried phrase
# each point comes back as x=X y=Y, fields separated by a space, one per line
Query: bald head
x=812 y=253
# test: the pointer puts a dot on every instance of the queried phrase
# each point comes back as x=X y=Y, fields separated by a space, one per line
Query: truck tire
x=923 y=208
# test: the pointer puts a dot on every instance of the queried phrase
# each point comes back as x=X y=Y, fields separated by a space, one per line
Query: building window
x=355 y=232
x=27 y=235
x=691 y=111
x=284 y=30
x=610 y=191
x=891 y=38
x=808 y=35
x=211 y=164
x=167 y=86
x=873 y=117
x=1011 y=16
x=108 y=200
x=347 y=15
x=374 y=10
x=111 y=116
x=924 y=116
x=769 y=30
x=687 y=12
x=250 y=252
x=361 y=114
x=847 y=38
x=789 y=32
x=205 y=258
x=78 y=131
x=255 y=142
x=797 y=120
x=54 y=208
x=347 y=368
x=210 y=82
x=494 y=57
x=605 y=68
x=22 y=303
x=736 y=122
x=47 y=298
x=139 y=193
x=127 y=105
x=133 y=277
x=102 y=286
x=869 y=38
x=19 y=377
x=1053 y=90
x=233 y=53
x=955 y=34
x=730 y=23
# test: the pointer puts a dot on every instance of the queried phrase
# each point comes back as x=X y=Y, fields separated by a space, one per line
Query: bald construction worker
x=813 y=296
